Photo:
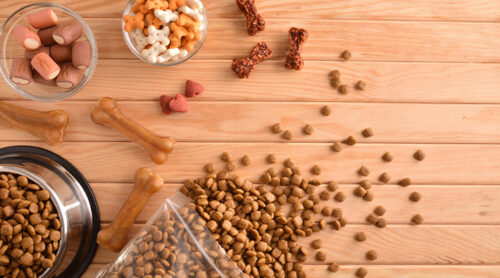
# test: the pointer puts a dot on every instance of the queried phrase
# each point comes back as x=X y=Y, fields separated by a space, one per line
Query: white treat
x=156 y=35
x=168 y=55
x=195 y=4
x=139 y=39
x=166 y=16
x=151 y=54
x=182 y=53
x=195 y=14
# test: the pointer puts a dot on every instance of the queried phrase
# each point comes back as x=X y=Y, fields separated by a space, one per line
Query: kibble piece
x=360 y=85
x=379 y=210
x=343 y=89
x=367 y=132
x=361 y=272
x=308 y=129
x=366 y=184
x=381 y=223
x=337 y=212
x=325 y=110
x=384 y=177
x=372 y=218
x=346 y=55
x=324 y=195
x=336 y=146
x=387 y=157
x=368 y=196
x=333 y=267
x=245 y=160
x=316 y=244
x=335 y=74
x=405 y=182
x=316 y=170
x=335 y=83
x=231 y=166
x=371 y=255
x=364 y=171
x=276 y=128
x=287 y=135
x=415 y=197
x=226 y=157
x=336 y=225
x=326 y=211
x=339 y=197
x=359 y=192
x=320 y=256
x=351 y=140
x=360 y=236
x=210 y=168
x=271 y=159
x=332 y=186
x=417 y=219
x=419 y=155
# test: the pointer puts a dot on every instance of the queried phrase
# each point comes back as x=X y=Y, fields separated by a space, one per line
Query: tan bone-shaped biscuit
x=114 y=236
x=48 y=126
x=107 y=113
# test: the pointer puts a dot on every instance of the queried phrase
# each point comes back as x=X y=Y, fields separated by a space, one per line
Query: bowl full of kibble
x=164 y=33
x=49 y=218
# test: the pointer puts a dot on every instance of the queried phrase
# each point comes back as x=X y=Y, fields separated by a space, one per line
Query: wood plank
x=444 y=164
x=397 y=244
x=467 y=10
x=383 y=271
x=386 y=82
x=455 y=204
x=367 y=40
x=251 y=121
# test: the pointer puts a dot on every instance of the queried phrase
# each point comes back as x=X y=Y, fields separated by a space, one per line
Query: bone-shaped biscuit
x=48 y=126
x=107 y=113
x=151 y=53
x=156 y=35
x=166 y=16
x=114 y=236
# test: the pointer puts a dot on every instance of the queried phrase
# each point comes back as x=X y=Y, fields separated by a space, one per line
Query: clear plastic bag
x=173 y=243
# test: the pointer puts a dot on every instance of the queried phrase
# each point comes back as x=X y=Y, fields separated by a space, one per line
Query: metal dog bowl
x=73 y=198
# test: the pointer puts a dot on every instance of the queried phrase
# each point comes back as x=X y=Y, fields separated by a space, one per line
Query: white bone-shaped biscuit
x=195 y=14
x=182 y=53
x=195 y=4
x=172 y=52
x=151 y=54
x=166 y=16
x=139 y=39
x=156 y=35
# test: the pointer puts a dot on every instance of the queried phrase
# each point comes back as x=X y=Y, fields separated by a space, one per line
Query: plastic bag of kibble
x=173 y=243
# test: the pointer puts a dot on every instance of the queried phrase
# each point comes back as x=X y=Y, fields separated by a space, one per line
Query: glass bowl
x=11 y=49
x=173 y=62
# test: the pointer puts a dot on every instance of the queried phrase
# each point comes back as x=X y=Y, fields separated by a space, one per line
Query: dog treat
x=316 y=244
x=67 y=32
x=417 y=219
x=69 y=76
x=151 y=53
x=166 y=16
x=26 y=37
x=132 y=22
x=43 y=19
x=405 y=182
x=367 y=132
x=363 y=171
x=326 y=211
x=37 y=78
x=276 y=128
x=164 y=104
x=371 y=218
x=271 y=159
x=384 y=177
x=316 y=170
x=333 y=267
x=335 y=74
x=419 y=155
x=81 y=54
x=255 y=22
x=368 y=196
x=360 y=236
x=324 y=195
x=346 y=55
x=381 y=223
x=114 y=236
x=415 y=197
x=20 y=72
x=339 y=197
x=336 y=147
x=30 y=230
x=371 y=255
x=379 y=210
x=244 y=67
x=44 y=65
x=297 y=37
x=60 y=53
x=230 y=167
x=29 y=54
x=387 y=157
x=320 y=256
x=178 y=104
x=210 y=168
x=343 y=89
x=337 y=212
x=157 y=4
x=366 y=184
x=325 y=110
x=351 y=141
x=175 y=4
x=361 y=272
x=226 y=157
x=308 y=129
x=187 y=11
x=48 y=126
x=332 y=186
x=178 y=34
x=287 y=135
x=193 y=89
x=168 y=55
x=359 y=192
x=335 y=83
x=360 y=85
x=245 y=160
x=336 y=225
x=107 y=113
x=46 y=37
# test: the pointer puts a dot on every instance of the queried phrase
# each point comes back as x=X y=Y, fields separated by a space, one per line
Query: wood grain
x=444 y=164
x=446 y=204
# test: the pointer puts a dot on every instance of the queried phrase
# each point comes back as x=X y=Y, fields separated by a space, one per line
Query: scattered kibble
x=360 y=85
x=316 y=244
x=381 y=223
x=343 y=89
x=361 y=272
x=384 y=177
x=367 y=132
x=419 y=155
x=336 y=147
x=231 y=166
x=320 y=256
x=245 y=160
x=366 y=184
x=336 y=225
x=324 y=195
x=387 y=157
x=210 y=168
x=405 y=182
x=271 y=158
x=316 y=170
x=326 y=211
x=226 y=157
x=415 y=197
x=342 y=221
x=287 y=135
x=325 y=110
x=276 y=128
x=417 y=219
x=346 y=55
x=339 y=197
x=359 y=192
x=289 y=163
x=371 y=255
x=371 y=218
x=379 y=210
x=337 y=212
x=360 y=236
x=335 y=74
x=364 y=171
x=368 y=196
x=308 y=129
x=333 y=267
x=335 y=83
x=332 y=186
x=351 y=141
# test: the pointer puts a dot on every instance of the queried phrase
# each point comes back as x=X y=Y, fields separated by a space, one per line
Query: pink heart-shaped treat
x=164 y=103
x=193 y=88
x=178 y=104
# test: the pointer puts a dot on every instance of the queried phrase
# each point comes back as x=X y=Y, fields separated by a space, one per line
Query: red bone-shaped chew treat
x=255 y=22
x=245 y=66
x=294 y=60
x=108 y=114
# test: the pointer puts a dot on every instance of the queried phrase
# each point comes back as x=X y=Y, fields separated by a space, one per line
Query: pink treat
x=26 y=37
x=60 y=53
x=46 y=36
x=43 y=19
x=82 y=54
x=45 y=66
x=37 y=78
x=69 y=76
x=67 y=32
x=29 y=54
x=21 y=72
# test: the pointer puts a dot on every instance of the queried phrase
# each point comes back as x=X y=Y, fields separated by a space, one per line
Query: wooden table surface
x=432 y=69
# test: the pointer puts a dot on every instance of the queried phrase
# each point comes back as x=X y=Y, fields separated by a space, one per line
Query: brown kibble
x=26 y=259
x=230 y=167
x=320 y=256
x=336 y=225
x=308 y=129
x=367 y=132
x=226 y=157
x=287 y=135
x=276 y=128
x=324 y=195
x=335 y=83
x=343 y=90
x=415 y=197
x=364 y=171
x=325 y=110
x=43 y=195
x=366 y=184
x=381 y=223
x=368 y=196
x=326 y=211
x=417 y=219
x=371 y=255
x=337 y=212
x=210 y=168
x=379 y=210
x=46 y=263
x=346 y=55
x=333 y=267
x=335 y=74
x=360 y=236
x=245 y=160
x=405 y=182
x=419 y=155
x=387 y=157
x=359 y=192
x=22 y=181
x=271 y=159
x=339 y=197
x=351 y=141
x=316 y=170
x=384 y=177
x=371 y=218
x=361 y=272
x=336 y=146
x=316 y=244
x=360 y=85
x=332 y=186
